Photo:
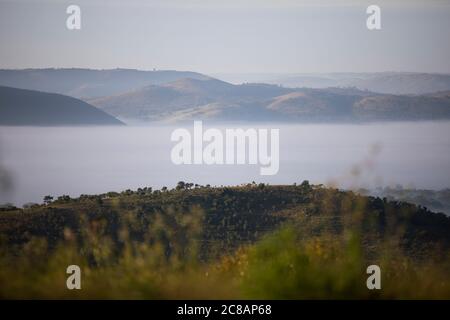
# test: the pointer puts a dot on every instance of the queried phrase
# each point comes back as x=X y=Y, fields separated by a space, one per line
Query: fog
x=89 y=160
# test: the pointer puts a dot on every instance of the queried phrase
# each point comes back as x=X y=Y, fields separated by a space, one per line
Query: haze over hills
x=382 y=82
x=172 y=96
x=28 y=107
x=92 y=83
x=212 y=99
x=88 y=83
x=190 y=97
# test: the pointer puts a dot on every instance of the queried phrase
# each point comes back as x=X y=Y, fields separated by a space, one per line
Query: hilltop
x=250 y=241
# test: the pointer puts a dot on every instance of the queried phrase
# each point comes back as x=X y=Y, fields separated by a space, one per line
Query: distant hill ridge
x=212 y=99
x=381 y=82
x=89 y=83
x=173 y=96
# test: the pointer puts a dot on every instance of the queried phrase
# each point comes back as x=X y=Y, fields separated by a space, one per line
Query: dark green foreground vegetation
x=252 y=241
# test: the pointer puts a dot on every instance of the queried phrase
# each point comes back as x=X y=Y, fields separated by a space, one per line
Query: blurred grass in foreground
x=320 y=250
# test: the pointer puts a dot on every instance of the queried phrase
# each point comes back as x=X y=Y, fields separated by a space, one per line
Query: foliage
x=249 y=241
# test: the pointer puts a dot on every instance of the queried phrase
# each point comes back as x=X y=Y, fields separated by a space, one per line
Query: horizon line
x=223 y=73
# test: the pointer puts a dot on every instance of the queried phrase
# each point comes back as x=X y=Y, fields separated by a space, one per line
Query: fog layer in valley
x=89 y=160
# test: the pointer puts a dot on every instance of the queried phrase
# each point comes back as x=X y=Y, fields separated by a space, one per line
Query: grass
x=249 y=242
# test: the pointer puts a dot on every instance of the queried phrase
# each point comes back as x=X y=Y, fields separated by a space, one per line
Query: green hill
x=250 y=241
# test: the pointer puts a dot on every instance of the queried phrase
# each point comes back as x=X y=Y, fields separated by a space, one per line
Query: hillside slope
x=211 y=99
x=237 y=215
x=26 y=107
x=188 y=97
x=250 y=241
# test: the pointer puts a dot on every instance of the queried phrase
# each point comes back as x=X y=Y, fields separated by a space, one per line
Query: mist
x=90 y=160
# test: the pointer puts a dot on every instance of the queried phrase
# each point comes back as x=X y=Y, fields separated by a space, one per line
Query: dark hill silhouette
x=28 y=107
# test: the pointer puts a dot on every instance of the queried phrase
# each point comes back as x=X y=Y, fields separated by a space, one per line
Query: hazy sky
x=211 y=36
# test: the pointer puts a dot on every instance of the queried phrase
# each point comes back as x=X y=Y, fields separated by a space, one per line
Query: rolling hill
x=88 y=83
x=212 y=99
x=252 y=241
x=28 y=107
x=186 y=98
x=174 y=96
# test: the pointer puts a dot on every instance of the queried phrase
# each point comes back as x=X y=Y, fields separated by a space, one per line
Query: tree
x=64 y=198
x=181 y=185
x=48 y=199
x=305 y=185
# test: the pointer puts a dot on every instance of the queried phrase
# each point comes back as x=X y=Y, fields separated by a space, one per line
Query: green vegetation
x=249 y=241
